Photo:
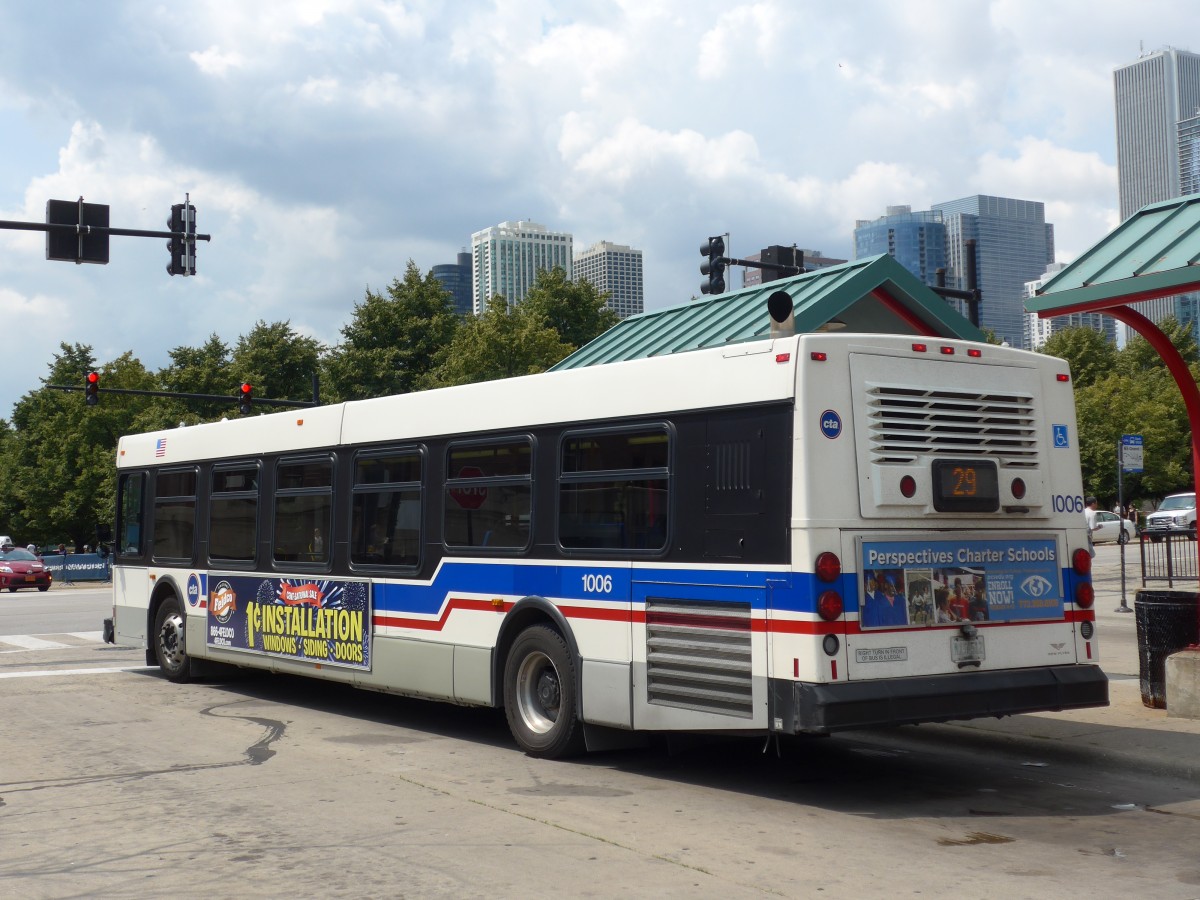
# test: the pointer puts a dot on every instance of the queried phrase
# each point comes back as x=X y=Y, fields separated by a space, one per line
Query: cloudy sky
x=326 y=142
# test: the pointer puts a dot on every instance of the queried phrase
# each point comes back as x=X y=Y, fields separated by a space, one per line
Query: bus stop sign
x=1131 y=453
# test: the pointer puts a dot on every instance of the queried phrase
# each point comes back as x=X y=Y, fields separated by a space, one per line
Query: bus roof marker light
x=920 y=348
x=947 y=351
x=1063 y=376
x=974 y=352
x=818 y=356
x=783 y=357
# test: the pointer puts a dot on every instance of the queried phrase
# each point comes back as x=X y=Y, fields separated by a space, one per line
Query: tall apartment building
x=917 y=240
x=506 y=258
x=456 y=279
x=1038 y=331
x=1157 y=109
x=617 y=270
x=813 y=259
x=1013 y=245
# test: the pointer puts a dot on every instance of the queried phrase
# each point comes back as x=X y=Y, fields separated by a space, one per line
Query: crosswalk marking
x=18 y=643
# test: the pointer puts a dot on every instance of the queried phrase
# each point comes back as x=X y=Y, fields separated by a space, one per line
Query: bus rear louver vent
x=908 y=423
x=698 y=656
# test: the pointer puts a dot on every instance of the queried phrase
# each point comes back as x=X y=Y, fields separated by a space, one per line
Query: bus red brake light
x=829 y=606
x=1081 y=562
x=828 y=567
x=1085 y=595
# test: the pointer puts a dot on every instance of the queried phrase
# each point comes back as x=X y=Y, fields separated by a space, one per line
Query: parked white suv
x=1175 y=515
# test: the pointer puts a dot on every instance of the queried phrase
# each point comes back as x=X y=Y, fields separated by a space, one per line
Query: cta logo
x=193 y=589
x=831 y=424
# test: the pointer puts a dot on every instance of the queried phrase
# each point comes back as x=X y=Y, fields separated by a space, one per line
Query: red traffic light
x=245 y=397
x=91 y=388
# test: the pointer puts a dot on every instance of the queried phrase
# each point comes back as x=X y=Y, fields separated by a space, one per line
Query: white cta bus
x=795 y=535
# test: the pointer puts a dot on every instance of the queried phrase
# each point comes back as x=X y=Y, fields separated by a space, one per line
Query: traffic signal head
x=245 y=398
x=713 y=268
x=182 y=247
x=91 y=388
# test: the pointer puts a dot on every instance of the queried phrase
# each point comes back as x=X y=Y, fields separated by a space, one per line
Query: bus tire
x=540 y=694
x=169 y=647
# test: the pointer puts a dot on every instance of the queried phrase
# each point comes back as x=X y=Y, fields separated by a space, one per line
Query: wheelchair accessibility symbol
x=1060 y=436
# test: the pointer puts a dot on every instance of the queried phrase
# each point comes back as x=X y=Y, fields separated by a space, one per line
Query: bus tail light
x=828 y=567
x=1081 y=562
x=1085 y=595
x=1018 y=488
x=829 y=606
x=908 y=486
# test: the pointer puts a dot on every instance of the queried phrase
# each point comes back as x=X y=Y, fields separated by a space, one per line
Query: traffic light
x=182 y=247
x=714 y=266
x=245 y=398
x=91 y=388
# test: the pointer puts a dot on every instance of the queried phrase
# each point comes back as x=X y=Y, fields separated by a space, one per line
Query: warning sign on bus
x=930 y=583
x=307 y=619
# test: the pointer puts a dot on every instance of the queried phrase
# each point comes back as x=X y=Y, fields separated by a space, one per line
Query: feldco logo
x=831 y=424
x=223 y=602
x=1036 y=586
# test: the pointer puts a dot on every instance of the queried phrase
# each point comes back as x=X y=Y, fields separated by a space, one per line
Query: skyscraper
x=1157 y=106
x=616 y=269
x=1013 y=245
x=506 y=258
x=456 y=279
x=1153 y=97
x=916 y=239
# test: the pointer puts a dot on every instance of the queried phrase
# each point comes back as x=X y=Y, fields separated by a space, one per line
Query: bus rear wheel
x=169 y=646
x=540 y=696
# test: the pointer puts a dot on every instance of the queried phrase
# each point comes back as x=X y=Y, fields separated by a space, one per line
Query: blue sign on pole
x=1131 y=453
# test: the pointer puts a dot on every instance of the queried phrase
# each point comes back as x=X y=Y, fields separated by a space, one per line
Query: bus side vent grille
x=698 y=656
x=731 y=466
x=908 y=423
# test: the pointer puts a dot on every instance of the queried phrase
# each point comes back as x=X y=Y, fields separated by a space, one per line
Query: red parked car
x=21 y=569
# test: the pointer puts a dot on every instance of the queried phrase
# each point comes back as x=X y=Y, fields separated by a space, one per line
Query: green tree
x=501 y=343
x=276 y=360
x=59 y=456
x=1088 y=352
x=198 y=370
x=394 y=340
x=1139 y=356
x=575 y=309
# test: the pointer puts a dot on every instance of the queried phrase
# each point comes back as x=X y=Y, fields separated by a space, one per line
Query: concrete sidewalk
x=1126 y=729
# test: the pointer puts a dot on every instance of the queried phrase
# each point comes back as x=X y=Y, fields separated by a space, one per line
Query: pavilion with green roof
x=876 y=294
x=1154 y=253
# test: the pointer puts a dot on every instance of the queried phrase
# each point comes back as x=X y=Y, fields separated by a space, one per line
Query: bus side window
x=130 y=513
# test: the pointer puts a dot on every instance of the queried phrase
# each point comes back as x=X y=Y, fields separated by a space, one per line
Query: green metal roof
x=876 y=295
x=1154 y=253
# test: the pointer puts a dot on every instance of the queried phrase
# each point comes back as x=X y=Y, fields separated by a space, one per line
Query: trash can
x=1166 y=621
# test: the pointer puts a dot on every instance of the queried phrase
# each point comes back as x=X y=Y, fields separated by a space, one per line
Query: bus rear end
x=938 y=524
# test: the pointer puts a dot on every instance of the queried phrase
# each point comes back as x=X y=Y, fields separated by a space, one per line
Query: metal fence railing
x=1169 y=558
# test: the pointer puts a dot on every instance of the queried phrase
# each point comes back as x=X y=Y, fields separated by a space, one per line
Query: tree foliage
x=503 y=342
x=575 y=309
x=394 y=340
x=1129 y=391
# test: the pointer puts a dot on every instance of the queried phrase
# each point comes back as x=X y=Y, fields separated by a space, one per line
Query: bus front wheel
x=169 y=647
x=540 y=698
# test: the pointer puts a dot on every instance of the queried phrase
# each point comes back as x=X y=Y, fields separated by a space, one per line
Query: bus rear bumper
x=801 y=708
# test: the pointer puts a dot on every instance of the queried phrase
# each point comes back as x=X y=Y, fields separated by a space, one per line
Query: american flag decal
x=160 y=448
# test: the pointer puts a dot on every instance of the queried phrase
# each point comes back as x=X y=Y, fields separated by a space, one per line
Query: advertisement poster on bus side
x=932 y=583
x=306 y=619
